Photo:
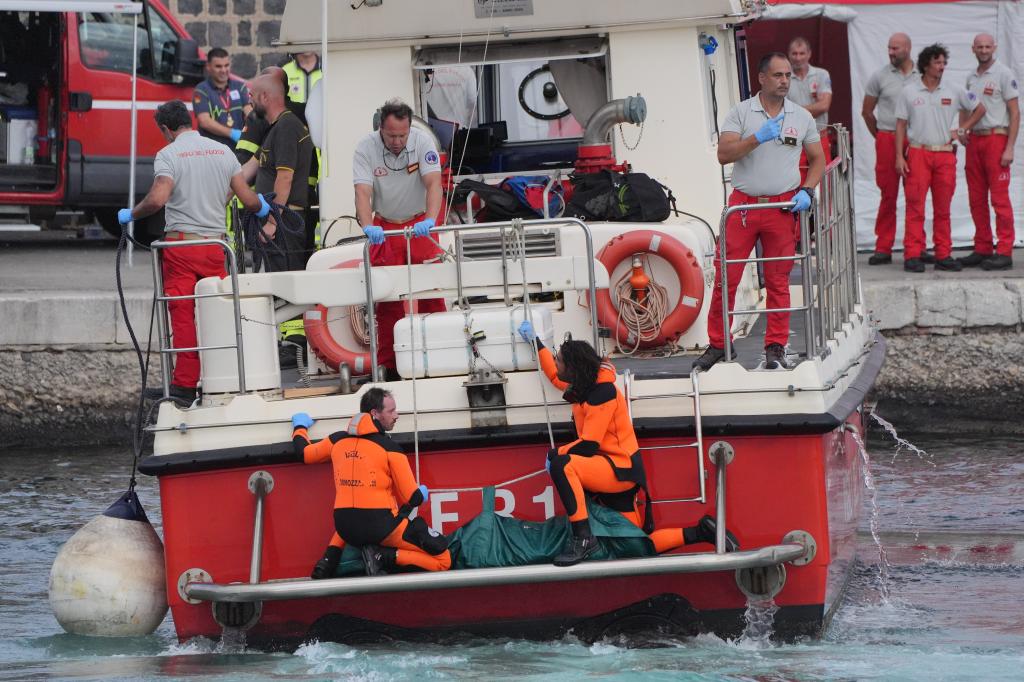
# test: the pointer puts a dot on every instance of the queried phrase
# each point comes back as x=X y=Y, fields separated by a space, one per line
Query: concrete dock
x=956 y=352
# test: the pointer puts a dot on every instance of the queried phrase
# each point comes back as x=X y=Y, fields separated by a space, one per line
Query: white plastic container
x=215 y=320
x=442 y=346
x=21 y=139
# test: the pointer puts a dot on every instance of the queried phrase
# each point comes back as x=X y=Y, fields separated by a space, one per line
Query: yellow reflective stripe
x=247 y=146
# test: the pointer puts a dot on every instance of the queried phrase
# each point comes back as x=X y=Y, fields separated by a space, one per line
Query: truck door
x=99 y=98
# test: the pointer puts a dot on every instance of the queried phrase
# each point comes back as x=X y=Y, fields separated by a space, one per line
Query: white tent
x=954 y=24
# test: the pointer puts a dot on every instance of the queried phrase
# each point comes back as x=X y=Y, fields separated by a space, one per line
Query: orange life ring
x=324 y=346
x=682 y=260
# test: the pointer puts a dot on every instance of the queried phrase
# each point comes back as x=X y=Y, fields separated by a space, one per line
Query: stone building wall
x=245 y=28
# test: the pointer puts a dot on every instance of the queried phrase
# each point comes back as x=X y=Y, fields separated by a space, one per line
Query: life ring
x=324 y=345
x=682 y=260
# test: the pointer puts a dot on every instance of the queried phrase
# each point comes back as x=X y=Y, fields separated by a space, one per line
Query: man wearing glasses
x=397 y=176
x=762 y=137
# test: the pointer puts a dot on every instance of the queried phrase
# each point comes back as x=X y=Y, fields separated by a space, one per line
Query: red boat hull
x=775 y=484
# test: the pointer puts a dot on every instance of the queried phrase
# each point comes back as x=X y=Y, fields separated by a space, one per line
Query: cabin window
x=106 y=43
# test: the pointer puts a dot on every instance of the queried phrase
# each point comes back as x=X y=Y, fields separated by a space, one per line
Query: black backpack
x=501 y=204
x=630 y=197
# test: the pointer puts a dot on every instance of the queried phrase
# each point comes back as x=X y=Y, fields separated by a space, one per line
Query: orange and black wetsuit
x=605 y=457
x=371 y=473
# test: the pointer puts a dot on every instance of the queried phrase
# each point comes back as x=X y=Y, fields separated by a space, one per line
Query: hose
x=291 y=230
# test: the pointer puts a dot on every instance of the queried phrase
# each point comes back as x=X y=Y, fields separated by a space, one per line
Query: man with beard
x=926 y=115
x=281 y=166
x=990 y=155
x=879 y=113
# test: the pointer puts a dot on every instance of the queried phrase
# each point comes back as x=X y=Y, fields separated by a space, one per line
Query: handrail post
x=260 y=484
x=699 y=430
x=721 y=454
x=808 y=288
x=723 y=281
x=162 y=323
x=371 y=313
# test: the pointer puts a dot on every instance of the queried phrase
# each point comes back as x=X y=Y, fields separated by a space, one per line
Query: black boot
x=704 y=531
x=379 y=560
x=582 y=545
x=328 y=564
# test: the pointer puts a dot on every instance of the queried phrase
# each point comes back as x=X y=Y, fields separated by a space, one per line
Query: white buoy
x=108 y=578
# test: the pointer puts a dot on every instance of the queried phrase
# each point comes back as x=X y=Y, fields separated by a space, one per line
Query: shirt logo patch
x=989 y=91
x=970 y=95
x=947 y=101
x=413 y=167
x=380 y=171
x=430 y=158
x=918 y=102
x=789 y=131
x=234 y=94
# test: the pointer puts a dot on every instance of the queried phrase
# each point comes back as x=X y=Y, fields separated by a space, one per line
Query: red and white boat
x=772 y=454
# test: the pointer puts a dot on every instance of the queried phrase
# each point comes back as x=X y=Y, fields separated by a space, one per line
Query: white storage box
x=215 y=321
x=442 y=346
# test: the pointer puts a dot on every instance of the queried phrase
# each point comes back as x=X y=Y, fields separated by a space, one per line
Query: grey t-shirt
x=805 y=91
x=398 y=190
x=885 y=85
x=772 y=168
x=201 y=169
x=932 y=116
x=994 y=89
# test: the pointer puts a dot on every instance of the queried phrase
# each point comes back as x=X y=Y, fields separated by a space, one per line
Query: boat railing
x=163 y=301
x=518 y=228
x=828 y=272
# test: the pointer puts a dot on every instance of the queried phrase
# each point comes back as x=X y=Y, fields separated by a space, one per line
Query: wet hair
x=582 y=363
x=800 y=40
x=373 y=400
x=173 y=115
x=397 y=108
x=766 y=61
x=217 y=53
x=925 y=57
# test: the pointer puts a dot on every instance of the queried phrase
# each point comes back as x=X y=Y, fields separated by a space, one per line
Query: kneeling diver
x=371 y=473
x=605 y=457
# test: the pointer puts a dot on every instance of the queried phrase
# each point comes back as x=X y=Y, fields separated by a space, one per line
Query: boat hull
x=775 y=484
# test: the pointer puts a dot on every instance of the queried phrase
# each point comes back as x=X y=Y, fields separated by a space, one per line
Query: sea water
x=951 y=607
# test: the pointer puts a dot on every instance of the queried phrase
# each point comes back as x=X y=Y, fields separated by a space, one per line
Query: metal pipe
x=699 y=431
x=720 y=504
x=805 y=280
x=133 y=153
x=504 y=268
x=371 y=316
x=305 y=588
x=237 y=303
x=625 y=110
x=162 y=323
x=259 y=489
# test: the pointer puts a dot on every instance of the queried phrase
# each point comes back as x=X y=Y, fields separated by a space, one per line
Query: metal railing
x=460 y=298
x=162 y=314
x=828 y=270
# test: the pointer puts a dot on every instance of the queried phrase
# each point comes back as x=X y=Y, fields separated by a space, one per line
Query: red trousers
x=182 y=267
x=888 y=181
x=392 y=252
x=935 y=171
x=826 y=146
x=984 y=176
x=777 y=231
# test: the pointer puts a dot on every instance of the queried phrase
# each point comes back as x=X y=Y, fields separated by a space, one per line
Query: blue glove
x=301 y=420
x=526 y=331
x=425 y=491
x=771 y=129
x=802 y=201
x=124 y=216
x=547 y=464
x=236 y=135
x=375 y=233
x=264 y=207
x=422 y=228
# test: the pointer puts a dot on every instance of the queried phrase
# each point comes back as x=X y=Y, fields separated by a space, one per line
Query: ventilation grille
x=488 y=246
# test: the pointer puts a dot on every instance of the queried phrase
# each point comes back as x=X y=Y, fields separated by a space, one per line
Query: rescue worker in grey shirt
x=879 y=113
x=195 y=177
x=397 y=176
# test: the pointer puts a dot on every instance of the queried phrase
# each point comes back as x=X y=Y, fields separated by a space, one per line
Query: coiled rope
x=643 y=320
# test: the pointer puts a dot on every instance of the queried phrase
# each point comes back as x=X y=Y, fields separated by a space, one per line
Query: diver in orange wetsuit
x=371 y=473
x=605 y=457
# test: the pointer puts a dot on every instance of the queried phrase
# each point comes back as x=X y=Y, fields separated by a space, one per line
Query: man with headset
x=397 y=176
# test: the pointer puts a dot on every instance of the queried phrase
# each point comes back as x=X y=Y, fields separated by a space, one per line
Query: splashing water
x=232 y=641
x=901 y=443
x=869 y=483
x=760 y=623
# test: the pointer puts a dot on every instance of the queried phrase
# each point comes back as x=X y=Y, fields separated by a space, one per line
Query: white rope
x=643 y=320
x=519 y=252
x=504 y=484
x=412 y=350
x=357 y=317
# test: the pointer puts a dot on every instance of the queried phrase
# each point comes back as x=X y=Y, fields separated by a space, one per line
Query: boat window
x=165 y=45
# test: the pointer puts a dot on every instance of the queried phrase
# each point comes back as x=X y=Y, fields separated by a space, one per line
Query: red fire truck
x=66 y=98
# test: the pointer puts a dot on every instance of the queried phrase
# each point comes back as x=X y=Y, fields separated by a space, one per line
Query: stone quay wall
x=955 y=360
x=245 y=28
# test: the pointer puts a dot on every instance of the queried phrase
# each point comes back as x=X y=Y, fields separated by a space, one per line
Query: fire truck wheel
x=147 y=230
